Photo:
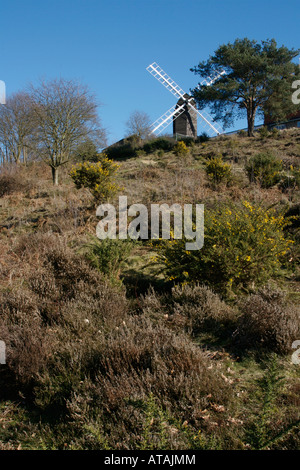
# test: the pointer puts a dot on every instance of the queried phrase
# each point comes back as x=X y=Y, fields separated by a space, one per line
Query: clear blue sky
x=107 y=44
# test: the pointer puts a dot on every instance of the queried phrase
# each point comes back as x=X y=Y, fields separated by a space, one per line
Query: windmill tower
x=184 y=113
x=186 y=123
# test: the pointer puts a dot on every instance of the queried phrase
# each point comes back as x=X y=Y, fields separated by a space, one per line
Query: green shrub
x=232 y=146
x=217 y=171
x=86 y=151
x=264 y=169
x=260 y=432
x=274 y=133
x=243 y=246
x=158 y=144
x=263 y=132
x=203 y=138
x=108 y=255
x=189 y=141
x=97 y=177
x=140 y=153
x=123 y=151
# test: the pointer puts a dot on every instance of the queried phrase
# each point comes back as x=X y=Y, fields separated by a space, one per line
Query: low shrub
x=199 y=309
x=53 y=327
x=28 y=343
x=97 y=177
x=8 y=184
x=141 y=153
x=108 y=255
x=264 y=169
x=274 y=133
x=192 y=308
x=189 y=141
x=142 y=362
x=263 y=132
x=160 y=153
x=12 y=181
x=218 y=171
x=268 y=322
x=203 y=138
x=180 y=149
x=159 y=144
x=290 y=179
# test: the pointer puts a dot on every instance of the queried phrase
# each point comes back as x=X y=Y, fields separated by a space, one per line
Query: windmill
x=184 y=113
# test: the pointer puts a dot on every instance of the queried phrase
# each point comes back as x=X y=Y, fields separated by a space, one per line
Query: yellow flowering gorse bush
x=181 y=149
x=218 y=171
x=244 y=246
x=97 y=177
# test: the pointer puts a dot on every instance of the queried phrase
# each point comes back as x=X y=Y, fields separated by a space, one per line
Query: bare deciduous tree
x=65 y=114
x=138 y=124
x=16 y=127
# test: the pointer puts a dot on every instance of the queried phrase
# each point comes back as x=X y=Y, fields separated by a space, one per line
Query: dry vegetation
x=132 y=361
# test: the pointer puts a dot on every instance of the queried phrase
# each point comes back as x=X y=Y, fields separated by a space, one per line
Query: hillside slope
x=105 y=351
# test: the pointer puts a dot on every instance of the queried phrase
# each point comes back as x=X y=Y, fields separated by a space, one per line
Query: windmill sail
x=165 y=120
x=182 y=109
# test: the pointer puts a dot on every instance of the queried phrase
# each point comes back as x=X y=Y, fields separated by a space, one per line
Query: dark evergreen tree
x=258 y=80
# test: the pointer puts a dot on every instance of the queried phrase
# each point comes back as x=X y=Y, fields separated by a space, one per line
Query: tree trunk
x=251 y=120
x=55 y=175
x=25 y=156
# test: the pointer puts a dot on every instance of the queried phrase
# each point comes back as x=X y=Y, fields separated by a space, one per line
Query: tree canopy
x=257 y=80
